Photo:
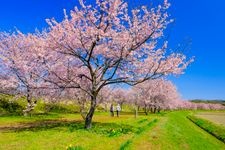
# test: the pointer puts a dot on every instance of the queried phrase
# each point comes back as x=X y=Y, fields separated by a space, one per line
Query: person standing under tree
x=112 y=110
x=118 y=109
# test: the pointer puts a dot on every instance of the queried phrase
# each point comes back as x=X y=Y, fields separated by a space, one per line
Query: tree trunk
x=138 y=108
x=29 y=106
x=88 y=119
x=151 y=109
x=106 y=107
x=159 y=109
x=145 y=109
x=121 y=106
x=136 y=111
x=154 y=111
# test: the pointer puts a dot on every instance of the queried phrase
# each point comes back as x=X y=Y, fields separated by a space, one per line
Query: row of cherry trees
x=201 y=106
x=93 y=47
x=154 y=96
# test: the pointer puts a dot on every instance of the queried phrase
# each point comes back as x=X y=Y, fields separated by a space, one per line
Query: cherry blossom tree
x=157 y=94
x=19 y=64
x=106 y=44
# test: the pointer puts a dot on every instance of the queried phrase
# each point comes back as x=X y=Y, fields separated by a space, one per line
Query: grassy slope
x=175 y=131
x=171 y=131
x=212 y=128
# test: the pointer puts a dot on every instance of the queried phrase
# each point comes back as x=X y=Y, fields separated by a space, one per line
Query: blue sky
x=203 y=21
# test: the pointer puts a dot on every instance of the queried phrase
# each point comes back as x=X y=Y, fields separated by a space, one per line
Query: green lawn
x=57 y=131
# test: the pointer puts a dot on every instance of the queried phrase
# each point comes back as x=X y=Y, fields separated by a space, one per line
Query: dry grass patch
x=216 y=117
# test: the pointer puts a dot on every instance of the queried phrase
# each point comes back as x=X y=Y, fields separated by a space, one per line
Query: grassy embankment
x=211 y=122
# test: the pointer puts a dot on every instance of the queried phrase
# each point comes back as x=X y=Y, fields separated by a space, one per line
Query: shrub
x=8 y=106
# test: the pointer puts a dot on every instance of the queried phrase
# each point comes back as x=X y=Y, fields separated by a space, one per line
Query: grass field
x=58 y=131
x=216 y=117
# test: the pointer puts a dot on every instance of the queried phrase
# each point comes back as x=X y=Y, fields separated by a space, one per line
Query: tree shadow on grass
x=41 y=125
x=107 y=129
